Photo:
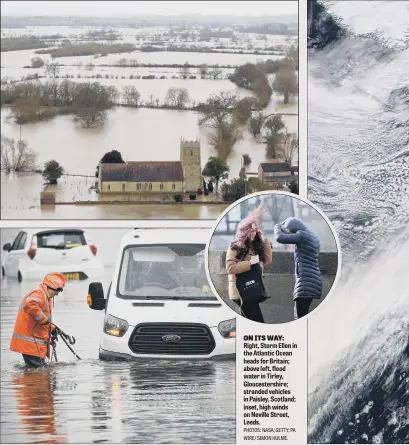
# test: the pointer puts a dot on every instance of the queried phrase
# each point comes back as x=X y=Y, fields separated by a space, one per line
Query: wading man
x=33 y=328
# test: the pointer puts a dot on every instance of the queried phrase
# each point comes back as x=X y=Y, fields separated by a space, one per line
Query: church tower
x=191 y=165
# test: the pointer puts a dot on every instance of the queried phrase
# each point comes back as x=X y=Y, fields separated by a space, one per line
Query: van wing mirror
x=7 y=247
x=95 y=298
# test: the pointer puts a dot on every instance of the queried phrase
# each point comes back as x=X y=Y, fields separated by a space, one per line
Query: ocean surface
x=358 y=164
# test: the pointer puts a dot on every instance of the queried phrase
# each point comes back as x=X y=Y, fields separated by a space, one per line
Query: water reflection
x=34 y=393
x=99 y=413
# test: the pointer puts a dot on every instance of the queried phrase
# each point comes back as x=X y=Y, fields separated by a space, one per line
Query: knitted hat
x=248 y=227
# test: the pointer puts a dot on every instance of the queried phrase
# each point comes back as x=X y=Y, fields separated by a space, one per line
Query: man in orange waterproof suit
x=33 y=327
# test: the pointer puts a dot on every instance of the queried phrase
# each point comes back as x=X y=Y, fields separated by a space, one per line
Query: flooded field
x=89 y=401
x=133 y=132
x=139 y=134
x=20 y=58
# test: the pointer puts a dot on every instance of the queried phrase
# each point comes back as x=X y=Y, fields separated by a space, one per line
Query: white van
x=159 y=303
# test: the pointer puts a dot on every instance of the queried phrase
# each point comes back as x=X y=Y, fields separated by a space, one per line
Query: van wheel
x=19 y=277
x=3 y=272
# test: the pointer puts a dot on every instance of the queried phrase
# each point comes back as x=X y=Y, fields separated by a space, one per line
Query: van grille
x=195 y=339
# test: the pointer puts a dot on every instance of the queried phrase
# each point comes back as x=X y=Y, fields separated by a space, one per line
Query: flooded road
x=89 y=401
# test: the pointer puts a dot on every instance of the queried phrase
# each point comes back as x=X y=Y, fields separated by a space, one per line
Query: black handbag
x=250 y=285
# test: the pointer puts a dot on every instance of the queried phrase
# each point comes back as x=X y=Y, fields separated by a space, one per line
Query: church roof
x=161 y=171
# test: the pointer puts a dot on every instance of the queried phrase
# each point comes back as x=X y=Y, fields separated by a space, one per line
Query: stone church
x=182 y=176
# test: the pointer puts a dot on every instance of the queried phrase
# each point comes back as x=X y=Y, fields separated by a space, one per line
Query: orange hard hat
x=55 y=280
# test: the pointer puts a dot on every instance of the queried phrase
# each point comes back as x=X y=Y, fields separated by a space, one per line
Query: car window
x=60 y=240
x=22 y=241
x=17 y=241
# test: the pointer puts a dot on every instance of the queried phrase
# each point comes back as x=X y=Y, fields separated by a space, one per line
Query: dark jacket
x=308 y=282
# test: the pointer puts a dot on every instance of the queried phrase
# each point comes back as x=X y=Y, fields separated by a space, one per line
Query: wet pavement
x=90 y=401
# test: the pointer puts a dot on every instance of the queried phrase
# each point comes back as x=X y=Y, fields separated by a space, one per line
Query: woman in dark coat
x=308 y=282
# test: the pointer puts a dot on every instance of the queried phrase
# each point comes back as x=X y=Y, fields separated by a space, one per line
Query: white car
x=34 y=253
x=159 y=303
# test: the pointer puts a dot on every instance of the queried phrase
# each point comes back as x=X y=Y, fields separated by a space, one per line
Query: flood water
x=20 y=199
x=139 y=134
x=133 y=132
x=89 y=401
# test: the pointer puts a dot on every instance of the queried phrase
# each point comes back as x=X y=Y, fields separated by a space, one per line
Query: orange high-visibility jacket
x=30 y=336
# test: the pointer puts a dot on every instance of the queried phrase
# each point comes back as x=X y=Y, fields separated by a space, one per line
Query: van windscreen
x=166 y=271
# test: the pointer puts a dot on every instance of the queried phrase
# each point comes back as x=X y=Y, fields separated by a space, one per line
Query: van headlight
x=115 y=326
x=227 y=328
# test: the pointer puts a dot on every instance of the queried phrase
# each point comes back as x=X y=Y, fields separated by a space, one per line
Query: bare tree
x=66 y=92
x=122 y=62
x=184 y=71
x=273 y=138
x=224 y=137
x=17 y=156
x=89 y=66
x=215 y=72
x=255 y=124
x=131 y=95
x=52 y=69
x=243 y=108
x=285 y=83
x=177 y=97
x=289 y=146
x=217 y=106
x=92 y=102
x=27 y=109
x=203 y=69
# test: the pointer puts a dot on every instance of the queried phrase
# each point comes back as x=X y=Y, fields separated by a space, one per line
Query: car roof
x=48 y=230
x=174 y=235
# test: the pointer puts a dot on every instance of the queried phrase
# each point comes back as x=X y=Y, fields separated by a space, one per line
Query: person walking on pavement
x=33 y=328
x=308 y=281
x=250 y=247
